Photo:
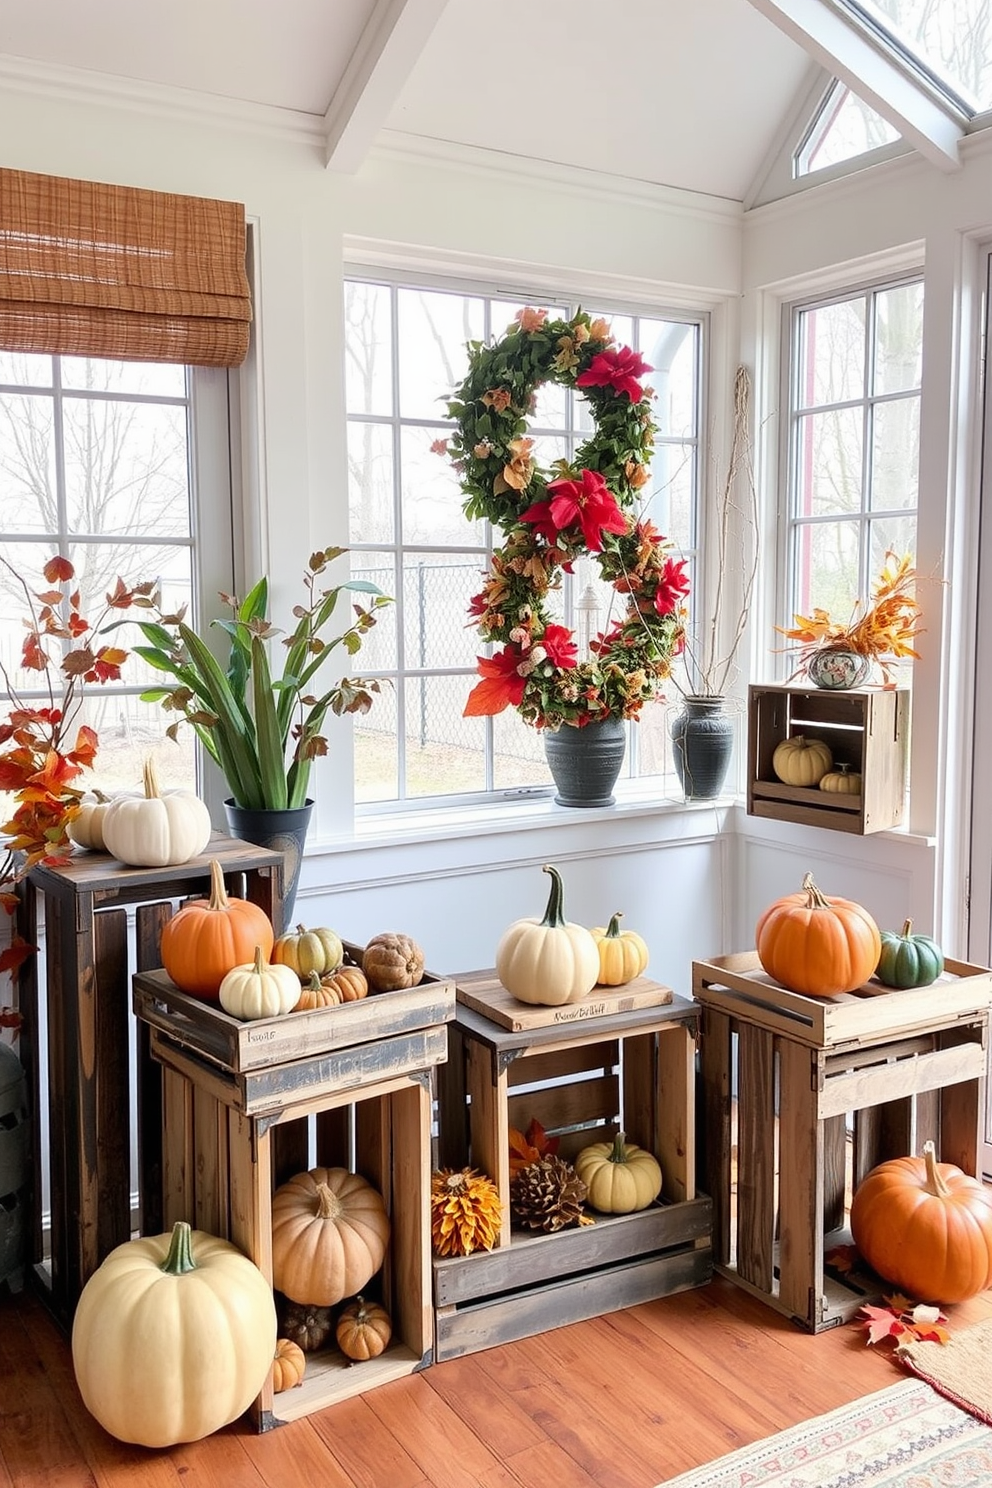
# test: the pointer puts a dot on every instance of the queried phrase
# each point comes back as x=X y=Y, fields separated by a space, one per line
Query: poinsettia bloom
x=618 y=368
x=588 y=503
x=530 y=320
x=673 y=585
x=560 y=646
x=540 y=518
x=519 y=468
x=439 y=447
x=502 y=684
x=498 y=399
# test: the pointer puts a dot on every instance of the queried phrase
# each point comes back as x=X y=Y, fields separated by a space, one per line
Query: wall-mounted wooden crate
x=860 y=1079
x=866 y=729
x=583 y=1080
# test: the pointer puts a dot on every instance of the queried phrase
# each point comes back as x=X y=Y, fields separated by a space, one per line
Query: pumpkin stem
x=907 y=929
x=619 y=1154
x=613 y=928
x=814 y=899
x=180 y=1257
x=553 y=916
x=935 y=1184
x=218 y=891
x=328 y=1203
x=150 y=779
x=259 y=965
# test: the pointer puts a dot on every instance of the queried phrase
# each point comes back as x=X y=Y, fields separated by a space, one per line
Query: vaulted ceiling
x=684 y=93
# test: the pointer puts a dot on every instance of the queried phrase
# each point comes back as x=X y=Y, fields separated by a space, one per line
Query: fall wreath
x=586 y=505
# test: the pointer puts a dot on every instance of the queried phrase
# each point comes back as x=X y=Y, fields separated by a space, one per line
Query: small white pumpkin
x=551 y=961
x=260 y=989
x=86 y=827
x=153 y=830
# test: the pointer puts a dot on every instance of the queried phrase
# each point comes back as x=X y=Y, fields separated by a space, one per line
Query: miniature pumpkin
x=86 y=827
x=466 y=1212
x=926 y=1227
x=817 y=945
x=363 y=1330
x=289 y=1365
x=842 y=782
x=153 y=830
x=205 y=938
x=173 y=1337
x=392 y=961
x=259 y=990
x=801 y=761
x=620 y=1177
x=908 y=960
x=305 y=951
x=329 y=1235
x=307 y=1326
x=316 y=993
x=349 y=983
x=551 y=961
x=622 y=953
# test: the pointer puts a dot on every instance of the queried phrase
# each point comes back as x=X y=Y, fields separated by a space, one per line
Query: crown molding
x=161 y=101
x=395 y=145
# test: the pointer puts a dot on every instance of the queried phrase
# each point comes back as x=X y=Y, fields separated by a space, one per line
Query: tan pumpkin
x=551 y=961
x=86 y=827
x=349 y=983
x=363 y=1330
x=392 y=961
x=317 y=994
x=623 y=955
x=289 y=1365
x=801 y=761
x=305 y=951
x=620 y=1177
x=330 y=1230
x=842 y=782
x=259 y=990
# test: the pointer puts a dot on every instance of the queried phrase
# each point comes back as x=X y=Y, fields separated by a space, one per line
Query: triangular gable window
x=843 y=127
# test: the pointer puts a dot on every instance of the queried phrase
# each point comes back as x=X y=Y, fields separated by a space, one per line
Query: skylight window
x=843 y=127
x=950 y=40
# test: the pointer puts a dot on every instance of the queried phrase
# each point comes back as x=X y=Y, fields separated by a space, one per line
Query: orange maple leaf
x=530 y=1147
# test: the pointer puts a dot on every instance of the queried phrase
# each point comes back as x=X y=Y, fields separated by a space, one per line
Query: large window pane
x=370 y=483
x=368 y=348
x=27 y=463
x=125 y=468
x=441 y=745
x=437 y=588
x=832 y=354
x=433 y=330
x=830 y=462
x=431 y=499
x=895 y=455
x=828 y=573
x=899 y=339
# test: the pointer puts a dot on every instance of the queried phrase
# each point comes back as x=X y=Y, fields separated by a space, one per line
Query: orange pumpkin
x=317 y=994
x=349 y=982
x=363 y=1330
x=817 y=945
x=926 y=1227
x=207 y=938
x=288 y=1366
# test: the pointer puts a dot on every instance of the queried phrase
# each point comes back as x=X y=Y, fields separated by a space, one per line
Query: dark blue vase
x=282 y=831
x=702 y=744
x=585 y=762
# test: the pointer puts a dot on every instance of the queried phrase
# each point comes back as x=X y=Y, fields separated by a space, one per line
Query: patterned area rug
x=906 y=1436
x=960 y=1369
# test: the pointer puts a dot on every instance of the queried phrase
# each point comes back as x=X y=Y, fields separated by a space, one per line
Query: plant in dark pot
x=263 y=730
x=703 y=729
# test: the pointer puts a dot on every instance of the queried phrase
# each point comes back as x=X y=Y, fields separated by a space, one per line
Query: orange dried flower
x=883 y=631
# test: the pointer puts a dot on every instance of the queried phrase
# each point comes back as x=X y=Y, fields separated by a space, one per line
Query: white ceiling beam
x=393 y=38
x=863 y=63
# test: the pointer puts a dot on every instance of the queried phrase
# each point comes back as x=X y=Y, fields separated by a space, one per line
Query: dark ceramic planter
x=702 y=744
x=282 y=831
x=585 y=762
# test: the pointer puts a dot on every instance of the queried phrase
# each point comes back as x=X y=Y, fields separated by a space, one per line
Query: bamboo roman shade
x=114 y=271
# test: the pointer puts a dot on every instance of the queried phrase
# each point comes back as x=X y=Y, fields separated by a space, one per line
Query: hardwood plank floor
x=622 y=1401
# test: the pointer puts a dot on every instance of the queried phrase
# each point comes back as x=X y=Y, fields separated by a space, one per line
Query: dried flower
x=883 y=631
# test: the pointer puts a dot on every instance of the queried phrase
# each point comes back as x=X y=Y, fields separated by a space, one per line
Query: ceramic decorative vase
x=282 y=831
x=702 y=744
x=585 y=762
x=833 y=667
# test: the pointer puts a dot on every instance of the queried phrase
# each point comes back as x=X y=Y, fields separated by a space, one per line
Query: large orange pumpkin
x=207 y=938
x=926 y=1227
x=817 y=945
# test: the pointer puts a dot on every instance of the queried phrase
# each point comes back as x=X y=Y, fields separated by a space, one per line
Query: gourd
x=173 y=1337
x=289 y=1365
x=623 y=955
x=392 y=961
x=842 y=782
x=621 y=1178
x=259 y=990
x=86 y=827
x=205 y=938
x=305 y=951
x=817 y=945
x=908 y=960
x=329 y=1235
x=363 y=1330
x=349 y=983
x=801 y=761
x=153 y=830
x=317 y=994
x=548 y=962
x=308 y=1327
x=926 y=1227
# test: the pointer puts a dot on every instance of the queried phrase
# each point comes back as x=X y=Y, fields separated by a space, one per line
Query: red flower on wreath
x=501 y=687
x=587 y=503
x=618 y=369
x=673 y=586
x=559 y=646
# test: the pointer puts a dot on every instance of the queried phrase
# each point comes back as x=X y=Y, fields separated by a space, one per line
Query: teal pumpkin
x=908 y=960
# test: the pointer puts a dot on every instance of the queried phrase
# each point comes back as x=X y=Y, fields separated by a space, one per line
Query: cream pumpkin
x=86 y=827
x=259 y=990
x=620 y=1177
x=801 y=761
x=173 y=1337
x=153 y=830
x=330 y=1230
x=548 y=962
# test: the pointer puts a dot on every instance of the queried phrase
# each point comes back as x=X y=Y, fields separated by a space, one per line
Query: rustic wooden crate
x=582 y=1081
x=860 y=1079
x=866 y=728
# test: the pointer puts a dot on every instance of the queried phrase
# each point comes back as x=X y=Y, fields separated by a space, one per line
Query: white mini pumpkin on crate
x=158 y=829
x=551 y=961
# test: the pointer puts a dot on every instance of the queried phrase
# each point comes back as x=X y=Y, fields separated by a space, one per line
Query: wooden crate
x=866 y=728
x=583 y=1082
x=860 y=1079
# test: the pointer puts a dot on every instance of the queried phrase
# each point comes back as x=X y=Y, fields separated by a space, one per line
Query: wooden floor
x=624 y=1401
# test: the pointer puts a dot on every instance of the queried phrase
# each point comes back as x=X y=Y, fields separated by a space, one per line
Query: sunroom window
x=843 y=127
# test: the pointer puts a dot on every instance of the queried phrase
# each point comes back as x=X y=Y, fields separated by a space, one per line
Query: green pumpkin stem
x=613 y=928
x=553 y=916
x=935 y=1184
x=180 y=1257
x=814 y=899
x=619 y=1153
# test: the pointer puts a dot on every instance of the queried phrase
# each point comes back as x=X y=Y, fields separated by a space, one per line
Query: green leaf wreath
x=588 y=505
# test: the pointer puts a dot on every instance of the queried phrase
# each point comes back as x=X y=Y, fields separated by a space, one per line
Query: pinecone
x=465 y=1212
x=548 y=1195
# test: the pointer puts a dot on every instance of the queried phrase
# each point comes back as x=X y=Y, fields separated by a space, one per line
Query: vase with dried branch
x=703 y=729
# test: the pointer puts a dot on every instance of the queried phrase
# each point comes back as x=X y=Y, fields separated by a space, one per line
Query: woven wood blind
x=115 y=271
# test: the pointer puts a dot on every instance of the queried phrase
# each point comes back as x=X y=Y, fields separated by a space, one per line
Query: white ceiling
x=683 y=93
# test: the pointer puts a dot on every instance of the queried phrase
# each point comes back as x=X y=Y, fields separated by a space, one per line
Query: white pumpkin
x=153 y=830
x=551 y=961
x=260 y=990
x=86 y=828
